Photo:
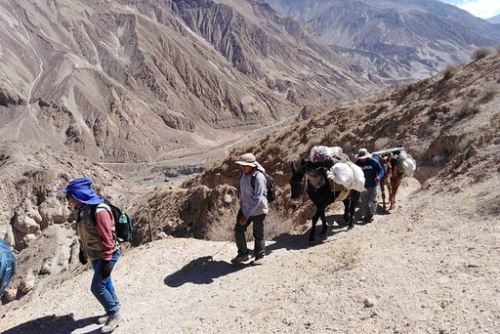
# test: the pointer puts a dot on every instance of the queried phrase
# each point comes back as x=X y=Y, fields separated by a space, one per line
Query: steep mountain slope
x=126 y=80
x=395 y=39
x=449 y=123
x=114 y=81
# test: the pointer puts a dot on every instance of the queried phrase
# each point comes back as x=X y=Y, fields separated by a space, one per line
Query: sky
x=480 y=8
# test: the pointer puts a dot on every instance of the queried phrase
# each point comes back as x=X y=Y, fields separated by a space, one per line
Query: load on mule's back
x=312 y=176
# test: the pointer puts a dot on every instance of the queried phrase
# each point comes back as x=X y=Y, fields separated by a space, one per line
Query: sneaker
x=240 y=259
x=112 y=323
x=258 y=261
x=103 y=319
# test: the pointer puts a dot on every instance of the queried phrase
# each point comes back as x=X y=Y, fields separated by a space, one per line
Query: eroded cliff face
x=395 y=40
x=124 y=80
x=36 y=220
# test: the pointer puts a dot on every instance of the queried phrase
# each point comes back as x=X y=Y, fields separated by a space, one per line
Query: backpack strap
x=101 y=206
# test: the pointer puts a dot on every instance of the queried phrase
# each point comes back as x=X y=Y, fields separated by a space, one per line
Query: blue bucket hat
x=81 y=189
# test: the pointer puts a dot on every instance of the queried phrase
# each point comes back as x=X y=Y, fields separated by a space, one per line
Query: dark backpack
x=123 y=223
x=271 y=189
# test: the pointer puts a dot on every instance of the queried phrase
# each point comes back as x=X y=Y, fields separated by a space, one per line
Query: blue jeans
x=102 y=288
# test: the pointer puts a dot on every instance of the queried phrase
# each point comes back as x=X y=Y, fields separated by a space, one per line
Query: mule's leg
x=314 y=221
x=353 y=203
x=347 y=204
x=389 y=189
x=395 y=187
x=323 y=220
x=382 y=189
x=347 y=211
x=355 y=196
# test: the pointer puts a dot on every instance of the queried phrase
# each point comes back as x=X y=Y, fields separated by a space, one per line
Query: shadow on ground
x=202 y=270
x=301 y=241
x=53 y=324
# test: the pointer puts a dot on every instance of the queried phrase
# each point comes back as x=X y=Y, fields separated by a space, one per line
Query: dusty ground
x=429 y=267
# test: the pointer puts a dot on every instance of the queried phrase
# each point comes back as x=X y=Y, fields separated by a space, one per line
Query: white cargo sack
x=358 y=182
x=408 y=163
x=320 y=153
x=341 y=174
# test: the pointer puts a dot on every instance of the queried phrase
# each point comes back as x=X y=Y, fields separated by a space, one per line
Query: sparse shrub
x=449 y=70
x=487 y=96
x=467 y=109
x=481 y=53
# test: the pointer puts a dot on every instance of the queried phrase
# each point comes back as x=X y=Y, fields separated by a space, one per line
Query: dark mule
x=320 y=192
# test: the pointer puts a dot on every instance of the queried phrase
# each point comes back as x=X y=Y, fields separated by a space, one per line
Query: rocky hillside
x=36 y=220
x=392 y=38
x=449 y=123
x=131 y=81
x=83 y=82
x=137 y=81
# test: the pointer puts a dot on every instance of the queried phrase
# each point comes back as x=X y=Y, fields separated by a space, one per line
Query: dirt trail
x=421 y=269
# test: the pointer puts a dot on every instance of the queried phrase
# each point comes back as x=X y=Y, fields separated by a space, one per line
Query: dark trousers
x=258 y=234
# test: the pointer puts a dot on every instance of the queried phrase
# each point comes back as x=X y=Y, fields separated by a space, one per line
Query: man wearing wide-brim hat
x=373 y=172
x=253 y=208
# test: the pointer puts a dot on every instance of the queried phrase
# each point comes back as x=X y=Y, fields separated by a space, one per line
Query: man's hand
x=243 y=220
x=106 y=269
x=81 y=257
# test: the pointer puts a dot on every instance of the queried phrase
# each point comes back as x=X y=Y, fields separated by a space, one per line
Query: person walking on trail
x=98 y=243
x=7 y=265
x=373 y=172
x=253 y=208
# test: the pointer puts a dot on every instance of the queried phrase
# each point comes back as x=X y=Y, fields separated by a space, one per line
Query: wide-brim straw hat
x=248 y=159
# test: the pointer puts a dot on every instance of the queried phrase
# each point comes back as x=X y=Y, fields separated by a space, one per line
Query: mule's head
x=297 y=181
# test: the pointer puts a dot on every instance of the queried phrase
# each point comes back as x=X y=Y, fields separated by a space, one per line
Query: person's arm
x=104 y=228
x=257 y=194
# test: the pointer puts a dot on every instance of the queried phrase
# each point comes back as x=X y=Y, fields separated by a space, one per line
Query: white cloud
x=481 y=8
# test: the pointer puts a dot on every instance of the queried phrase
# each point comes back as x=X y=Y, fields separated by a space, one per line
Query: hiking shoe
x=258 y=261
x=240 y=259
x=103 y=319
x=112 y=323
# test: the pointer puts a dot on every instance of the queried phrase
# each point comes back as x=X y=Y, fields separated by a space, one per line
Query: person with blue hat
x=96 y=231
